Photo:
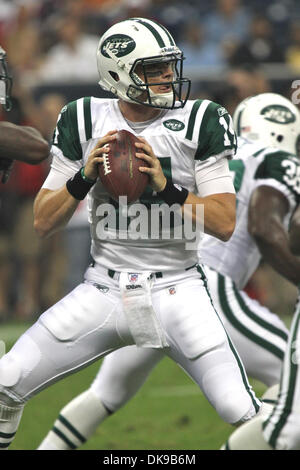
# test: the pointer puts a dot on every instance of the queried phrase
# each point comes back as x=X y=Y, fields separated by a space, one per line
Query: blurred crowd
x=51 y=46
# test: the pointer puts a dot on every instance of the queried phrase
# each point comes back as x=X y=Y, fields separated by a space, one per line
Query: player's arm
x=267 y=210
x=219 y=205
x=294 y=233
x=54 y=208
x=22 y=143
x=219 y=213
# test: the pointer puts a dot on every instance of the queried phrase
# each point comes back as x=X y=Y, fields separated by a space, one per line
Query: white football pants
x=90 y=322
x=259 y=336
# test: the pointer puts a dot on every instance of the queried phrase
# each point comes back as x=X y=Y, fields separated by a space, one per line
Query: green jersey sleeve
x=282 y=167
x=216 y=135
x=66 y=135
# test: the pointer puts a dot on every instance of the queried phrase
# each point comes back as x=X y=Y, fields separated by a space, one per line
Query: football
x=119 y=173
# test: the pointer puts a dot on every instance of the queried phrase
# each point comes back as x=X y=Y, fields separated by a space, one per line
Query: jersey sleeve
x=282 y=171
x=66 y=135
x=66 y=148
x=217 y=137
x=214 y=178
x=61 y=170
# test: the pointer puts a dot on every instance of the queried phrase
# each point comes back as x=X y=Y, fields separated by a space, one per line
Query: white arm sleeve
x=213 y=177
x=62 y=169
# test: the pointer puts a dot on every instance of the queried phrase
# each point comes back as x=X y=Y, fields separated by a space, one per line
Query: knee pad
x=10 y=371
x=226 y=391
x=236 y=407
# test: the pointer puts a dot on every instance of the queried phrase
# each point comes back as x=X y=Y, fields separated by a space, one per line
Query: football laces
x=106 y=164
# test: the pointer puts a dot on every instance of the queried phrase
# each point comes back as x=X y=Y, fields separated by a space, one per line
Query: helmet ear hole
x=279 y=138
x=114 y=75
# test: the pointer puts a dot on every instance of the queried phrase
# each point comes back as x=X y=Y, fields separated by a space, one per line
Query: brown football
x=119 y=173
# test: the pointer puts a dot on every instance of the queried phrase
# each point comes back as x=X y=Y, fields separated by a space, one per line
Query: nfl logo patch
x=133 y=277
x=172 y=290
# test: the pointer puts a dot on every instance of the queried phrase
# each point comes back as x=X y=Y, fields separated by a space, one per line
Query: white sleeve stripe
x=202 y=108
x=80 y=120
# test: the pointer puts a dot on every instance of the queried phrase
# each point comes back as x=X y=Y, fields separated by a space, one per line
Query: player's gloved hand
x=6 y=165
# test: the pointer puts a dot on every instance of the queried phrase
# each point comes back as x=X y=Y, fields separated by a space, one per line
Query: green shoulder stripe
x=87 y=117
x=206 y=125
x=66 y=136
x=192 y=118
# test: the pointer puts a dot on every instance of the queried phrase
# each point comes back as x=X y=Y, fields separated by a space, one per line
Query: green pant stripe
x=229 y=314
x=7 y=435
x=4 y=445
x=268 y=400
x=71 y=428
x=291 y=383
x=256 y=403
x=64 y=438
x=260 y=321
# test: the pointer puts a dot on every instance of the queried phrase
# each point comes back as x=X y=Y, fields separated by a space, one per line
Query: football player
x=21 y=143
x=280 y=430
x=127 y=294
x=265 y=170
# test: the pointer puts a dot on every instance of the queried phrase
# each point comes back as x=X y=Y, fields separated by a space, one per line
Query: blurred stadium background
x=233 y=49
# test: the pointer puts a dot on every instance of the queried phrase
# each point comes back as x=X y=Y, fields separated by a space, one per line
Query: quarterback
x=139 y=62
x=264 y=171
x=21 y=143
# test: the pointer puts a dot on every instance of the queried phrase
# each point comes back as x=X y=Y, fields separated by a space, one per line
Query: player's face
x=160 y=72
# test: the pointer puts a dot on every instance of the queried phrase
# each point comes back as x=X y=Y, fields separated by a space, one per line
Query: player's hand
x=145 y=152
x=95 y=157
x=6 y=165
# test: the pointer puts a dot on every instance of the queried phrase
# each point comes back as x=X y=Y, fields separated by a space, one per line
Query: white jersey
x=187 y=142
x=252 y=166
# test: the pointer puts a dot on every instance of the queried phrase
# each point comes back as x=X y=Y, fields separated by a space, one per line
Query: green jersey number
x=292 y=175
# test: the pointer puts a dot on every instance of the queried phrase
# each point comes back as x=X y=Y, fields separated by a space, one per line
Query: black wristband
x=79 y=185
x=173 y=194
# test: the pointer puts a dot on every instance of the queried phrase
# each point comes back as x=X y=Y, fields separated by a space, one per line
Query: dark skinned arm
x=294 y=233
x=22 y=143
x=267 y=210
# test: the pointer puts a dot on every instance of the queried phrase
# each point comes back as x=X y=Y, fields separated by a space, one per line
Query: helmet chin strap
x=162 y=99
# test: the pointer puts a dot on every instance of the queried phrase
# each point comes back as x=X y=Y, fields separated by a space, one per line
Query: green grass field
x=169 y=412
